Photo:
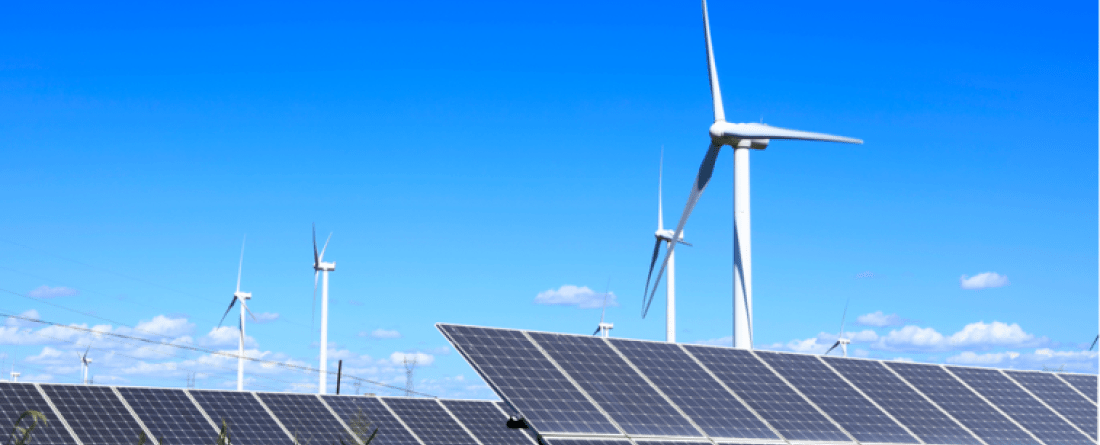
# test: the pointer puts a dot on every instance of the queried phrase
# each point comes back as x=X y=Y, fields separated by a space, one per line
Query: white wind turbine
x=84 y=363
x=242 y=297
x=604 y=329
x=323 y=268
x=840 y=339
x=665 y=237
x=742 y=137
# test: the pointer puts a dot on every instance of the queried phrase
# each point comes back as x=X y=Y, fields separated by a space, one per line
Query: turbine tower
x=323 y=268
x=743 y=138
x=665 y=237
x=84 y=363
x=242 y=297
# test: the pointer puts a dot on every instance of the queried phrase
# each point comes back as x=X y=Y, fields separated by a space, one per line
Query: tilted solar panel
x=16 y=398
x=902 y=402
x=617 y=388
x=1086 y=384
x=305 y=417
x=170 y=416
x=95 y=413
x=527 y=380
x=689 y=386
x=963 y=404
x=370 y=409
x=837 y=398
x=431 y=423
x=511 y=413
x=249 y=423
x=488 y=423
x=587 y=441
x=1058 y=395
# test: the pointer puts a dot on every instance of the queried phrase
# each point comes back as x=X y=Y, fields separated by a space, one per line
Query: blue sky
x=469 y=157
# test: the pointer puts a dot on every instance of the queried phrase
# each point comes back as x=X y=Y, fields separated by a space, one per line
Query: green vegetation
x=21 y=435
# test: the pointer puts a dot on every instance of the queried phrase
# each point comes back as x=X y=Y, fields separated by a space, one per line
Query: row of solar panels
x=572 y=386
x=94 y=415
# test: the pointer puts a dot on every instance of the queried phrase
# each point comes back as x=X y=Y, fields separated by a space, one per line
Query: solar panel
x=170 y=416
x=487 y=422
x=15 y=398
x=857 y=415
x=95 y=413
x=305 y=417
x=572 y=441
x=1021 y=406
x=1059 y=396
x=617 y=388
x=963 y=404
x=527 y=380
x=370 y=409
x=429 y=421
x=902 y=402
x=249 y=423
x=689 y=386
x=1084 y=383
x=769 y=396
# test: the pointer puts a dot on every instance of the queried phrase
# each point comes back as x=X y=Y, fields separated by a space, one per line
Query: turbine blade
x=706 y=169
x=685 y=243
x=842 y=317
x=660 y=174
x=1094 y=342
x=606 y=292
x=652 y=263
x=316 y=259
x=322 y=257
x=754 y=130
x=246 y=309
x=597 y=331
x=715 y=92
x=831 y=349
x=241 y=263
x=231 y=303
x=86 y=350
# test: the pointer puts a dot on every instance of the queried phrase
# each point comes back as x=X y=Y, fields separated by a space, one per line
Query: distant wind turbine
x=742 y=137
x=604 y=329
x=242 y=297
x=323 y=268
x=85 y=361
x=665 y=237
x=840 y=340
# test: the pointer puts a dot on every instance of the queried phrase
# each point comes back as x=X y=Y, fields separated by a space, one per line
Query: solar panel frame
x=391 y=429
x=1059 y=396
x=248 y=419
x=486 y=422
x=430 y=421
x=169 y=415
x=16 y=398
x=585 y=441
x=1084 y=384
x=305 y=417
x=95 y=413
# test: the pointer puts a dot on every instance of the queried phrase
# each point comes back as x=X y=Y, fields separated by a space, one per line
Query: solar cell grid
x=902 y=402
x=305 y=417
x=1020 y=406
x=1084 y=383
x=95 y=413
x=15 y=398
x=836 y=397
x=521 y=374
x=776 y=402
x=689 y=386
x=615 y=386
x=429 y=421
x=587 y=442
x=962 y=404
x=370 y=409
x=487 y=423
x=249 y=423
x=1061 y=397
x=170 y=415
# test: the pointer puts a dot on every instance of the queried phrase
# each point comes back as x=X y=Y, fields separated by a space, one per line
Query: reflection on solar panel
x=527 y=380
x=1059 y=396
x=15 y=398
x=620 y=391
x=511 y=414
x=833 y=395
x=1020 y=406
x=305 y=417
x=95 y=413
x=963 y=404
x=1084 y=383
x=170 y=416
x=248 y=422
x=390 y=430
x=690 y=387
x=487 y=423
x=780 y=406
x=902 y=402
x=430 y=421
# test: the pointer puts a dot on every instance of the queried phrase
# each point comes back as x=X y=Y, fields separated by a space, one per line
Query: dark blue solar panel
x=305 y=417
x=15 y=398
x=248 y=422
x=1061 y=397
x=622 y=393
x=1084 y=383
x=95 y=413
x=773 y=399
x=587 y=442
x=170 y=416
x=857 y=415
x=487 y=423
x=1020 y=406
x=702 y=398
x=429 y=421
x=963 y=404
x=902 y=402
x=370 y=409
x=520 y=374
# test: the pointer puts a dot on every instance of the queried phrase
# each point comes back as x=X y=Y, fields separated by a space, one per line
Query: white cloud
x=979 y=335
x=983 y=280
x=266 y=317
x=721 y=341
x=382 y=334
x=168 y=327
x=53 y=292
x=879 y=320
x=15 y=322
x=422 y=359
x=582 y=297
x=1081 y=361
x=226 y=336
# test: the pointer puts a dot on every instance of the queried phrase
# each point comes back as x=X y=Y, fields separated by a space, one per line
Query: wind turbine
x=840 y=340
x=242 y=297
x=319 y=266
x=84 y=362
x=665 y=237
x=742 y=137
x=604 y=329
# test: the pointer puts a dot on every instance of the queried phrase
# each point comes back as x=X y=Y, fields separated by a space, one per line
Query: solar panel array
x=584 y=390
x=94 y=415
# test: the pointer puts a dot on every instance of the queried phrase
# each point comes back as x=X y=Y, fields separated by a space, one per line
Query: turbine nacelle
x=324 y=267
x=666 y=235
x=242 y=295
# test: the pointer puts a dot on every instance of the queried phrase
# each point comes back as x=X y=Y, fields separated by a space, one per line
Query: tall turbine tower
x=242 y=297
x=323 y=268
x=742 y=137
x=664 y=236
